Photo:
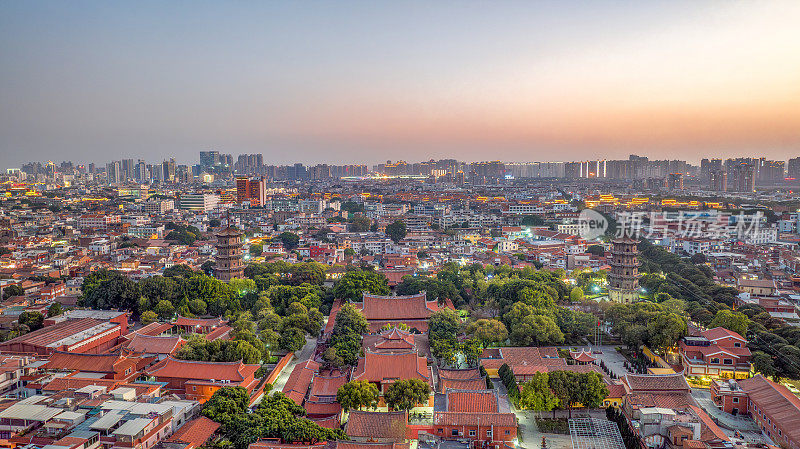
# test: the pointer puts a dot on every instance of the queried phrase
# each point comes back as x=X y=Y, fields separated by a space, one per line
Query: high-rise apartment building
x=252 y=191
x=718 y=180
x=744 y=177
x=675 y=182
x=793 y=168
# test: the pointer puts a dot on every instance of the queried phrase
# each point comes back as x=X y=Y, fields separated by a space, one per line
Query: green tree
x=106 y=289
x=54 y=309
x=354 y=283
x=359 y=224
x=34 y=320
x=536 y=394
x=596 y=250
x=13 y=290
x=576 y=294
x=564 y=385
x=443 y=328
x=292 y=339
x=148 y=317
x=396 y=230
x=256 y=249
x=358 y=394
x=406 y=394
x=308 y=272
x=488 y=331
x=289 y=240
x=733 y=321
x=180 y=270
x=164 y=309
x=665 y=331
x=536 y=330
x=592 y=389
x=226 y=403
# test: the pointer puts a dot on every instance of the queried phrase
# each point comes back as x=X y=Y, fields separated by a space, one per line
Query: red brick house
x=491 y=429
x=774 y=408
x=199 y=380
x=728 y=396
x=717 y=353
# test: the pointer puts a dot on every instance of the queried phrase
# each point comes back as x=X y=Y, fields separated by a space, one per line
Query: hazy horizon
x=363 y=82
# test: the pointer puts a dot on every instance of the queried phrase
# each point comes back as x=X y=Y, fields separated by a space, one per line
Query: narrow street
x=300 y=356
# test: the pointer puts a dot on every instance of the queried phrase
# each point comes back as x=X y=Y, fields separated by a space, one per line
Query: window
x=194 y=387
x=488 y=434
x=728 y=361
x=439 y=430
x=737 y=345
x=508 y=432
x=735 y=400
x=454 y=432
x=472 y=433
x=715 y=360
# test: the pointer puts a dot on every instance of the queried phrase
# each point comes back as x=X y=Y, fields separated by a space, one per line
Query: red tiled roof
x=328 y=422
x=656 y=383
x=394 y=339
x=485 y=401
x=673 y=400
x=191 y=369
x=317 y=407
x=359 y=445
x=195 y=432
x=149 y=344
x=385 y=425
x=379 y=367
x=74 y=383
x=616 y=390
x=461 y=384
x=460 y=374
x=275 y=444
x=398 y=307
x=710 y=430
x=151 y=329
x=473 y=419
x=299 y=380
x=94 y=363
x=720 y=332
x=523 y=356
x=210 y=322
x=220 y=332
x=776 y=401
x=51 y=334
x=327 y=385
x=582 y=356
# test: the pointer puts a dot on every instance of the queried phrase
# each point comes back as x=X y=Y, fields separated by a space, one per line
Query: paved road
x=300 y=356
x=724 y=420
x=613 y=360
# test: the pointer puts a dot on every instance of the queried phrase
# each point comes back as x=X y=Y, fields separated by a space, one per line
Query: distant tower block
x=623 y=280
x=229 y=254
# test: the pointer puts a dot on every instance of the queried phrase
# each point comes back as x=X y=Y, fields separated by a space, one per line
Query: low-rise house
x=717 y=353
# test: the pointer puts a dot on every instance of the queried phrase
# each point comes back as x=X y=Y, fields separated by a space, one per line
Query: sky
x=370 y=81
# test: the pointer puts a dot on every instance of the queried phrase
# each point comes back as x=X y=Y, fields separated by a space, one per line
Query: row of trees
x=402 y=395
x=562 y=390
x=345 y=342
x=275 y=417
x=444 y=328
x=774 y=344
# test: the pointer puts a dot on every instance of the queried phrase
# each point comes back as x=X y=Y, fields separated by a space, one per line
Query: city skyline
x=364 y=83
